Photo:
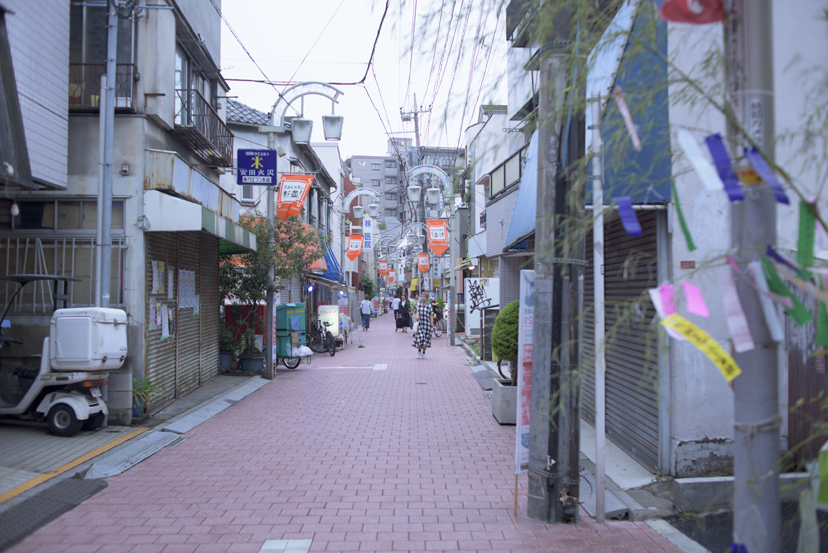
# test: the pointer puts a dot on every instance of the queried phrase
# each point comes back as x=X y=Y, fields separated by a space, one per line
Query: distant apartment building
x=383 y=175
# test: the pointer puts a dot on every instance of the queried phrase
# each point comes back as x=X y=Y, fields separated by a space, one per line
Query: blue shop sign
x=256 y=167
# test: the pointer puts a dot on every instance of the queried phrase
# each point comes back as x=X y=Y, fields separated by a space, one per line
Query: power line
x=322 y=32
x=411 y=57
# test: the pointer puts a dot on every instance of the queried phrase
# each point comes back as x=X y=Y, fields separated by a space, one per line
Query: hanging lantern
x=301 y=129
x=373 y=210
x=433 y=195
x=414 y=193
x=332 y=126
x=359 y=211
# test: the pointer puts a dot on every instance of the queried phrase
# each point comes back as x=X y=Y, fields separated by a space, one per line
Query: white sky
x=280 y=33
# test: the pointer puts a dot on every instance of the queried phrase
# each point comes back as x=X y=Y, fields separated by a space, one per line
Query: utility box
x=290 y=316
x=87 y=339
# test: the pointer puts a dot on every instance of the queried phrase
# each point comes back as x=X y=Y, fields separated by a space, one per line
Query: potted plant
x=228 y=346
x=505 y=346
x=251 y=358
x=142 y=391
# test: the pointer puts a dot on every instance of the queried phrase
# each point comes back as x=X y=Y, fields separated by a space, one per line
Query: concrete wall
x=205 y=22
x=39 y=41
x=361 y=168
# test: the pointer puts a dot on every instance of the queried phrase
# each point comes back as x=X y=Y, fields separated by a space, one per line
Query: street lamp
x=359 y=211
x=433 y=195
x=373 y=210
x=414 y=193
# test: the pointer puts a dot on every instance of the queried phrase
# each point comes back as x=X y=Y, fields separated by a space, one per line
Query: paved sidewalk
x=396 y=454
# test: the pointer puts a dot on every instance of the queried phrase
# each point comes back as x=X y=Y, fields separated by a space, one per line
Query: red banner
x=422 y=262
x=355 y=246
x=383 y=268
x=438 y=237
x=391 y=275
x=293 y=190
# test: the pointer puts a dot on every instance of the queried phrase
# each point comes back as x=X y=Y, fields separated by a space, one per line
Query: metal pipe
x=105 y=198
x=101 y=166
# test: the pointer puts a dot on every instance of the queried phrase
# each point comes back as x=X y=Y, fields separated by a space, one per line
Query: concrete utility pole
x=270 y=362
x=757 y=515
x=554 y=446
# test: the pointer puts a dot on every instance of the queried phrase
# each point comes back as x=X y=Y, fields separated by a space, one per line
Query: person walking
x=405 y=316
x=365 y=308
x=422 y=337
x=395 y=305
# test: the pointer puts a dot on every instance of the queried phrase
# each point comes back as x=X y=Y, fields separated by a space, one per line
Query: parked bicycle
x=439 y=323
x=320 y=338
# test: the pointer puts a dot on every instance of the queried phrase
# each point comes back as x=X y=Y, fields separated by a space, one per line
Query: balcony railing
x=85 y=85
x=199 y=128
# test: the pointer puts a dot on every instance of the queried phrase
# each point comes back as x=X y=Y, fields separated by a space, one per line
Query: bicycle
x=320 y=338
x=439 y=323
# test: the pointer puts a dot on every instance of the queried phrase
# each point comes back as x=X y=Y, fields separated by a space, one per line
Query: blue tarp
x=523 y=217
x=334 y=271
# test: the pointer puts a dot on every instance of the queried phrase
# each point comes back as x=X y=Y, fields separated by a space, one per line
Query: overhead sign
x=383 y=268
x=368 y=233
x=256 y=167
x=422 y=262
x=293 y=190
x=438 y=239
x=355 y=246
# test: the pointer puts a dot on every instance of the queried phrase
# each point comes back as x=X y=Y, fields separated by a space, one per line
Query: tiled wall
x=39 y=41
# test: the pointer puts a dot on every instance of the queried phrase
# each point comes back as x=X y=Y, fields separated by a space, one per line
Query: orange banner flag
x=383 y=268
x=438 y=238
x=293 y=190
x=355 y=246
x=422 y=262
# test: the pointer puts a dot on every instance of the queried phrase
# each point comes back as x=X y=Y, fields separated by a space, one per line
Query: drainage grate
x=421 y=383
x=44 y=507
x=485 y=379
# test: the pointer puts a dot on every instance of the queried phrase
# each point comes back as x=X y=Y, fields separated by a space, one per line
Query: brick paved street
x=403 y=459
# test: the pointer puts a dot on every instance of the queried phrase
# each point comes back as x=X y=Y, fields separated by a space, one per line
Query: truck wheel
x=94 y=421
x=62 y=421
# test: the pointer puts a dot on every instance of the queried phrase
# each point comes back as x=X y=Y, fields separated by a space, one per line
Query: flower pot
x=504 y=401
x=225 y=360
x=252 y=364
x=137 y=407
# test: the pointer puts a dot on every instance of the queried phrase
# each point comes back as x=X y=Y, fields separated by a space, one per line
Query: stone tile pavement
x=355 y=459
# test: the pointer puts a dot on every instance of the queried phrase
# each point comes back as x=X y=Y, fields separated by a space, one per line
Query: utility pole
x=270 y=365
x=554 y=445
x=757 y=512
x=105 y=197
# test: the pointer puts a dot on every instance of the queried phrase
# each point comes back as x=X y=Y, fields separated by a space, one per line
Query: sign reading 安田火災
x=256 y=167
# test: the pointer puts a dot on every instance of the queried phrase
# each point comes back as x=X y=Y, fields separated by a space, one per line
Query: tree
x=505 y=336
x=368 y=286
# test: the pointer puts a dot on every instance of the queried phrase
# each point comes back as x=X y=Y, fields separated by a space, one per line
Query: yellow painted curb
x=36 y=481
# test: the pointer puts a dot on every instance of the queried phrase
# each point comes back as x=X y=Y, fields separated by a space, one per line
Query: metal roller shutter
x=187 y=327
x=630 y=267
x=160 y=354
x=208 y=289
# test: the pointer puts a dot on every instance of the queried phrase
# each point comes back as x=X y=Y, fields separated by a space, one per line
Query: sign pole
x=270 y=356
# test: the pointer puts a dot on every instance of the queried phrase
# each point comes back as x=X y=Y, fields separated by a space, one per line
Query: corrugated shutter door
x=209 y=307
x=187 y=327
x=630 y=267
x=160 y=354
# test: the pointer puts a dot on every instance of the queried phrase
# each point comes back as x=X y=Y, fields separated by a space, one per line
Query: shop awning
x=165 y=213
x=328 y=282
x=524 y=216
x=414 y=282
x=334 y=271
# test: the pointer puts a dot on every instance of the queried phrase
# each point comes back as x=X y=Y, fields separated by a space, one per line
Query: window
x=391 y=196
x=513 y=170
x=445 y=161
x=375 y=182
x=375 y=167
x=247 y=193
x=390 y=212
x=390 y=164
x=497 y=180
x=65 y=215
x=191 y=87
x=390 y=180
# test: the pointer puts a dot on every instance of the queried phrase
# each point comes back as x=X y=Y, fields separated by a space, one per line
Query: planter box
x=225 y=360
x=504 y=401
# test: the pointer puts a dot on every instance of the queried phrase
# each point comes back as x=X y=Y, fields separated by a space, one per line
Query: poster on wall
x=343 y=303
x=152 y=313
x=162 y=270
x=170 y=276
x=330 y=314
x=155 y=279
x=480 y=293
x=524 y=361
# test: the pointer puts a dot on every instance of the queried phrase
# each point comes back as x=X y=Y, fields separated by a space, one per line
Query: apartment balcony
x=483 y=219
x=201 y=130
x=85 y=86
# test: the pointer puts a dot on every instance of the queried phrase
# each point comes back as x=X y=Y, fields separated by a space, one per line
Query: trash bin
x=290 y=328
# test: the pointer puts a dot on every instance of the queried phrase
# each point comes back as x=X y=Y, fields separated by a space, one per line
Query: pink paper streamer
x=625 y=114
x=695 y=301
x=667 y=292
x=775 y=297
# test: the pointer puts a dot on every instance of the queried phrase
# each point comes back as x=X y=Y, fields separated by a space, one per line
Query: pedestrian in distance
x=422 y=337
x=366 y=308
x=395 y=305
x=404 y=317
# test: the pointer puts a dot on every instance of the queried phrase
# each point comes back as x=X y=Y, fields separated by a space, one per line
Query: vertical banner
x=422 y=262
x=293 y=190
x=391 y=276
x=355 y=246
x=438 y=239
x=383 y=268
x=524 y=363
x=368 y=233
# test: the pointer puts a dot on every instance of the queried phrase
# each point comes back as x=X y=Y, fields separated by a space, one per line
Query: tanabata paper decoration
x=627 y=213
x=687 y=238
x=776 y=256
x=625 y=115
x=704 y=169
x=807 y=233
x=707 y=345
x=822 y=325
x=735 y=317
x=667 y=292
x=655 y=296
x=771 y=316
x=694 y=300
x=784 y=300
x=766 y=174
x=798 y=312
x=694 y=12
x=722 y=161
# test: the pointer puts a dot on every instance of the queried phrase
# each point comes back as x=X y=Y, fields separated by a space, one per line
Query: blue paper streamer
x=738 y=548
x=722 y=161
x=801 y=273
x=627 y=213
x=761 y=167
